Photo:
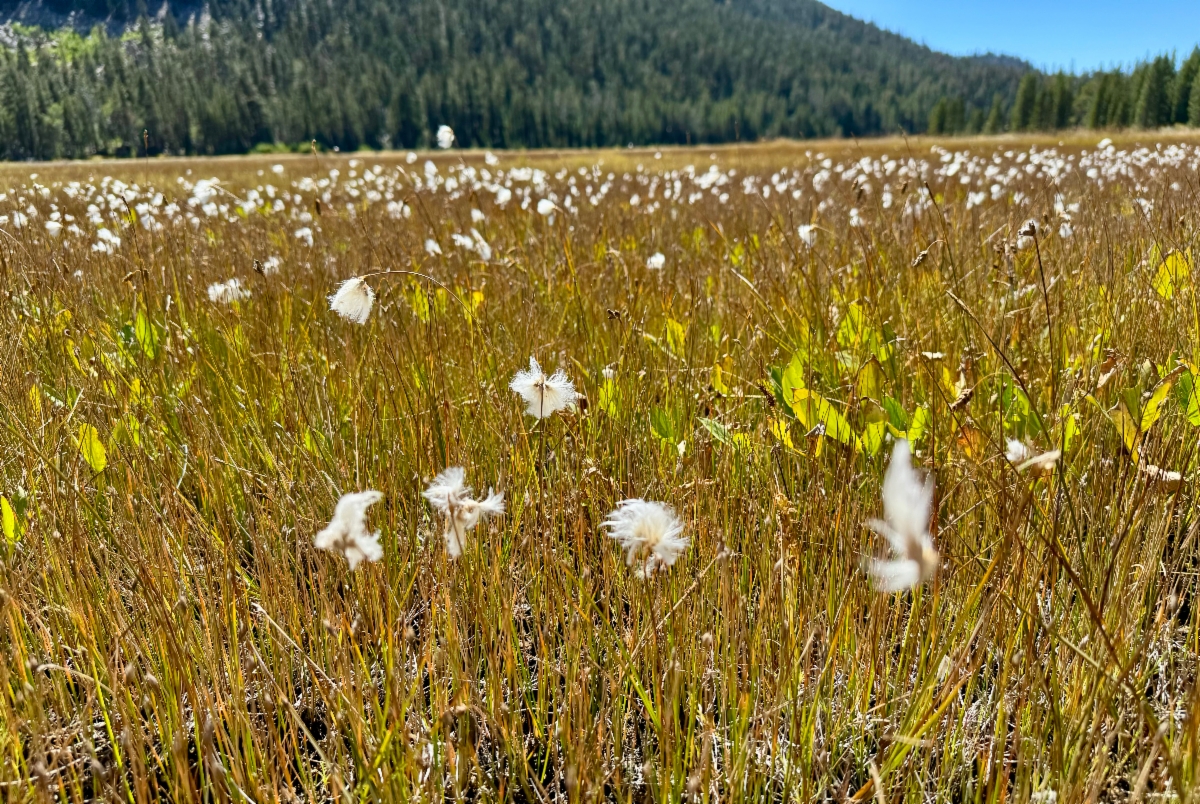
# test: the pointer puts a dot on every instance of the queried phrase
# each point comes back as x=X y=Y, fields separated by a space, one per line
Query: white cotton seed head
x=545 y=207
x=1016 y=452
x=353 y=300
x=907 y=500
x=450 y=496
x=445 y=137
x=543 y=396
x=649 y=532
x=656 y=261
x=227 y=292
x=347 y=532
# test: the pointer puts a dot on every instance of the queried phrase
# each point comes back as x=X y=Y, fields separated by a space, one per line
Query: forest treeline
x=1153 y=94
x=237 y=75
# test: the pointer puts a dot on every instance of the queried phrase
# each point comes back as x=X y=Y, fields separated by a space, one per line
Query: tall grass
x=170 y=632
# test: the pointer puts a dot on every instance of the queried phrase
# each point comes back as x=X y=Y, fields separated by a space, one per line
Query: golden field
x=751 y=328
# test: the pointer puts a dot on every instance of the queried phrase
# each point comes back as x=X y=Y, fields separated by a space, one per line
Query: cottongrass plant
x=1023 y=457
x=347 y=532
x=543 y=395
x=453 y=499
x=353 y=300
x=649 y=533
x=906 y=507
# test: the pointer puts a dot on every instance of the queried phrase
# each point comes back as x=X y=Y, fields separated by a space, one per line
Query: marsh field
x=751 y=331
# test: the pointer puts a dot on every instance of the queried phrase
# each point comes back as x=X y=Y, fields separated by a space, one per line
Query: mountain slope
x=502 y=73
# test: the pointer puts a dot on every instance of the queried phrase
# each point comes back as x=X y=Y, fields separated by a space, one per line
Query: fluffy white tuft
x=544 y=396
x=452 y=497
x=353 y=300
x=347 y=532
x=649 y=532
x=227 y=292
x=445 y=137
x=907 y=498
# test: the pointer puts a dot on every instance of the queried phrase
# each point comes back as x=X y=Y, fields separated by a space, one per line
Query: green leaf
x=146 y=335
x=607 y=398
x=919 y=424
x=717 y=430
x=8 y=520
x=1127 y=427
x=661 y=425
x=676 y=336
x=1185 y=394
x=872 y=436
x=1171 y=273
x=812 y=409
x=92 y=448
x=896 y=414
x=1152 y=410
x=793 y=378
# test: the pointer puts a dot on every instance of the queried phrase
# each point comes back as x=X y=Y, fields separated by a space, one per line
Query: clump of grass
x=170 y=630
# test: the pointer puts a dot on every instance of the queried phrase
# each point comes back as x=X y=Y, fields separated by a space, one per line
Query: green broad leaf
x=146 y=335
x=852 y=327
x=792 y=379
x=870 y=379
x=896 y=415
x=718 y=431
x=1070 y=422
x=676 y=337
x=8 y=521
x=1127 y=427
x=872 y=436
x=661 y=424
x=1185 y=395
x=92 y=448
x=812 y=409
x=919 y=425
x=607 y=398
x=1172 y=272
x=1152 y=410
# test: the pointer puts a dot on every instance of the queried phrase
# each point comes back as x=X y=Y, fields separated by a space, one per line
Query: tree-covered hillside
x=237 y=74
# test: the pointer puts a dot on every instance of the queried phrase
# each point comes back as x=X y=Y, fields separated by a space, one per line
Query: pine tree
x=1181 y=91
x=1025 y=106
x=1154 y=106
x=995 y=119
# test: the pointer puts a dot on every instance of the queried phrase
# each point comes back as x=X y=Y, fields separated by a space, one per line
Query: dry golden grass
x=170 y=632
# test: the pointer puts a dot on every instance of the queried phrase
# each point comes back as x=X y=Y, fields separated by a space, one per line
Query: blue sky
x=1085 y=34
